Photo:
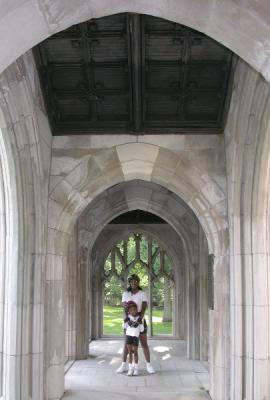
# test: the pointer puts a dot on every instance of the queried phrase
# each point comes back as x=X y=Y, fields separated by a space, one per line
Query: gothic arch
x=24 y=162
x=248 y=180
x=103 y=246
x=231 y=23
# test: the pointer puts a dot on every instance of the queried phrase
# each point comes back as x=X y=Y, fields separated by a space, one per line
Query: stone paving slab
x=175 y=378
x=102 y=395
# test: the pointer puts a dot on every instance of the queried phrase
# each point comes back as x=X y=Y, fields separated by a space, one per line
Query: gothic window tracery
x=144 y=256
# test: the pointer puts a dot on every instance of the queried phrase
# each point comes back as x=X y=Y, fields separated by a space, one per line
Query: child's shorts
x=134 y=340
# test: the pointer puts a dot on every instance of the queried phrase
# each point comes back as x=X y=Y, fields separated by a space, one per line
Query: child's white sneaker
x=150 y=369
x=136 y=371
x=130 y=370
x=122 y=368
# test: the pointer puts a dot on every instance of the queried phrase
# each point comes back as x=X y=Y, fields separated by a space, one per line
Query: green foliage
x=113 y=291
x=144 y=249
x=161 y=292
x=118 y=266
x=130 y=249
x=113 y=318
x=107 y=266
x=158 y=292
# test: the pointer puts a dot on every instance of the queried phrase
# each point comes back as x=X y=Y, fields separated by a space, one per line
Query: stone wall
x=191 y=167
x=36 y=228
x=25 y=157
x=247 y=137
x=242 y=26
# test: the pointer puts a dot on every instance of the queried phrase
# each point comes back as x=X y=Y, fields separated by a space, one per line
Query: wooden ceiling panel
x=163 y=77
x=133 y=73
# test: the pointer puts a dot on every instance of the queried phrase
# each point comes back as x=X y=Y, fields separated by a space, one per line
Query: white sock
x=130 y=366
x=136 y=366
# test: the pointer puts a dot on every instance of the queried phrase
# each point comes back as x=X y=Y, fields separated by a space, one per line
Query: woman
x=135 y=293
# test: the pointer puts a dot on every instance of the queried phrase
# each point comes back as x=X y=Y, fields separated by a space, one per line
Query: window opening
x=143 y=256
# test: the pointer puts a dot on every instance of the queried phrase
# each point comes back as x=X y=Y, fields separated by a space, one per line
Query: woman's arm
x=144 y=307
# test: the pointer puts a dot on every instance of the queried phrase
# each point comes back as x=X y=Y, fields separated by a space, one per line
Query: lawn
x=113 y=318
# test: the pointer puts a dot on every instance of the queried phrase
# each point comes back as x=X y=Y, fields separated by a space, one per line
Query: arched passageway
x=94 y=236
x=193 y=258
x=39 y=252
x=185 y=243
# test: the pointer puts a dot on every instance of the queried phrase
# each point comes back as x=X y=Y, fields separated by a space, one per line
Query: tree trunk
x=167 y=313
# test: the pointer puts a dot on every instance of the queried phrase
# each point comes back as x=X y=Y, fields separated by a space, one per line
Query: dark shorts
x=134 y=340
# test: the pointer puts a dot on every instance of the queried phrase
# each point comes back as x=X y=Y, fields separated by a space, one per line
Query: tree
x=167 y=314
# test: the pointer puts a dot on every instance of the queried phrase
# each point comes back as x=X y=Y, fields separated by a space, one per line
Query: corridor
x=175 y=378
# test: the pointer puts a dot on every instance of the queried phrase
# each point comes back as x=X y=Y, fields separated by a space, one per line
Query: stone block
x=137 y=151
x=55 y=266
x=13 y=329
x=137 y=169
x=260 y=279
x=55 y=381
x=261 y=379
x=169 y=141
x=167 y=159
x=261 y=332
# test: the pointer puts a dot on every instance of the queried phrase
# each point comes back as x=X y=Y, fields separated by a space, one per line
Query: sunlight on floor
x=176 y=377
x=162 y=349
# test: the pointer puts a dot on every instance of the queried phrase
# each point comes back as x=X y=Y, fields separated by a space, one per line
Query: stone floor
x=176 y=378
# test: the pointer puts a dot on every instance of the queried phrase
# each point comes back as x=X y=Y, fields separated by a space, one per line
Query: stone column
x=25 y=154
x=248 y=164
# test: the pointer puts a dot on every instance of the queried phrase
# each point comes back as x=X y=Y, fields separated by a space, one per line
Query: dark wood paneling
x=133 y=73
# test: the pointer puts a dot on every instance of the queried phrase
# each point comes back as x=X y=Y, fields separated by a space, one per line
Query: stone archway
x=27 y=134
x=248 y=149
x=24 y=179
x=190 y=276
x=140 y=248
x=232 y=23
x=113 y=202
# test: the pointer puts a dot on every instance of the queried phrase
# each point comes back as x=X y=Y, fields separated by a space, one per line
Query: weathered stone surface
x=218 y=185
x=241 y=26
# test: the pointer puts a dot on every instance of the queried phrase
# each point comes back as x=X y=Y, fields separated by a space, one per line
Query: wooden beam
x=136 y=62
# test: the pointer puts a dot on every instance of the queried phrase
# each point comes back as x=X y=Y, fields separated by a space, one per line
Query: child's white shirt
x=131 y=330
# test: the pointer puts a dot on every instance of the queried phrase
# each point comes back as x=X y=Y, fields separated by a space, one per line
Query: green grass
x=113 y=318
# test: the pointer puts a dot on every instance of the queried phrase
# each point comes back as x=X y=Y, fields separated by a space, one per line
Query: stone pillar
x=55 y=294
x=72 y=296
x=25 y=155
x=248 y=164
x=82 y=306
x=203 y=297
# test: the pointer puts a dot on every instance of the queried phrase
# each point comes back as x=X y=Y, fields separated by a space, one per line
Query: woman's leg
x=145 y=347
x=143 y=340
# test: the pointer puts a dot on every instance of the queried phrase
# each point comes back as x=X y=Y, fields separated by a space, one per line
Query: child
x=133 y=326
